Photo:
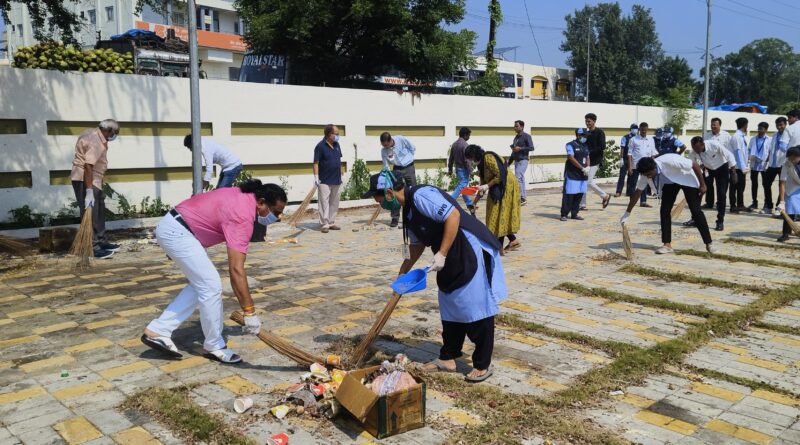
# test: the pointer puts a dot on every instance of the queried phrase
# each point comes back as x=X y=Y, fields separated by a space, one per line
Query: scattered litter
x=242 y=404
x=421 y=331
x=147 y=241
x=333 y=360
x=616 y=393
x=278 y=439
x=279 y=411
x=711 y=333
x=390 y=377
x=64 y=373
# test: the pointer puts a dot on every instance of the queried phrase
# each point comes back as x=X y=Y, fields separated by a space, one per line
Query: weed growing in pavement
x=687 y=278
x=747 y=242
x=737 y=259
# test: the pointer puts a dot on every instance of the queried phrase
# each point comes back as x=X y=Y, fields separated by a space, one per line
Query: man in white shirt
x=670 y=174
x=791 y=136
x=758 y=150
x=214 y=153
x=724 y=138
x=738 y=146
x=777 y=157
x=639 y=147
x=720 y=166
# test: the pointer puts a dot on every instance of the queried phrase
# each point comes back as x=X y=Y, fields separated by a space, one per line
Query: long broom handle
x=300 y=210
x=281 y=345
x=375 y=330
x=792 y=224
x=374 y=216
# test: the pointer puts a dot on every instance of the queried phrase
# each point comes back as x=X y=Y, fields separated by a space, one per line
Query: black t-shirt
x=596 y=141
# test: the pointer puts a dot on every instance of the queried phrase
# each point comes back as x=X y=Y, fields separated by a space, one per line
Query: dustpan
x=411 y=281
x=469 y=191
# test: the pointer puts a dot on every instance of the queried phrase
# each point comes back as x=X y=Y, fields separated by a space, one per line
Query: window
x=178 y=19
x=83 y=15
x=236 y=27
x=215 y=20
x=233 y=73
x=92 y=16
x=109 y=13
x=19 y=30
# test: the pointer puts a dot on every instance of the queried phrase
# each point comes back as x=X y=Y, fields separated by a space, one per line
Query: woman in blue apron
x=576 y=175
x=466 y=260
x=789 y=190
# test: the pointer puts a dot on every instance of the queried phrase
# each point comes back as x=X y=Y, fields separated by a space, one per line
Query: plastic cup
x=242 y=404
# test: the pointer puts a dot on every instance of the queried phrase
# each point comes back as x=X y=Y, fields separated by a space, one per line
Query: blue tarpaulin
x=136 y=34
x=747 y=107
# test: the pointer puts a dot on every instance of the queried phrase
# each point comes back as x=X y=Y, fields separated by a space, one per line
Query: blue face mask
x=336 y=138
x=390 y=204
x=113 y=137
x=583 y=140
x=267 y=220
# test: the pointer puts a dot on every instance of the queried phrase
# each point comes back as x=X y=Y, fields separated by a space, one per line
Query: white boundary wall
x=38 y=96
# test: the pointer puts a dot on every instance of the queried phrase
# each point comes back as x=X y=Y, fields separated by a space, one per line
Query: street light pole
x=708 y=69
x=194 y=92
x=588 y=55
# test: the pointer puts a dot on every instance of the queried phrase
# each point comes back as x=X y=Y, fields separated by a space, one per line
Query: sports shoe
x=711 y=249
x=766 y=211
x=111 y=247
x=752 y=207
x=102 y=254
x=564 y=218
x=578 y=217
x=335 y=227
x=523 y=201
x=689 y=223
x=646 y=205
x=783 y=239
x=394 y=223
x=663 y=250
x=720 y=226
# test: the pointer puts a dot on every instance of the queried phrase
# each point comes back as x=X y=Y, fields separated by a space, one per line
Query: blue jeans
x=520 y=167
x=463 y=181
x=226 y=178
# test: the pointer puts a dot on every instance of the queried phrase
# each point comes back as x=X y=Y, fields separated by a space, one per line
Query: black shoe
x=102 y=254
x=689 y=223
x=734 y=209
x=111 y=247
x=783 y=238
x=720 y=226
x=753 y=206
x=393 y=223
x=578 y=217
x=523 y=201
x=709 y=206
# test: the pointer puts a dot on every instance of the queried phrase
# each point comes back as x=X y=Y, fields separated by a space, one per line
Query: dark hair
x=644 y=124
x=464 y=131
x=718 y=120
x=741 y=122
x=271 y=193
x=328 y=129
x=187 y=141
x=793 y=151
x=696 y=140
x=521 y=124
x=794 y=113
x=780 y=120
x=763 y=125
x=385 y=137
x=591 y=116
x=645 y=165
x=474 y=152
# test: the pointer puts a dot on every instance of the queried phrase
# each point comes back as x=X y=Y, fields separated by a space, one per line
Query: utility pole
x=588 y=55
x=194 y=92
x=708 y=69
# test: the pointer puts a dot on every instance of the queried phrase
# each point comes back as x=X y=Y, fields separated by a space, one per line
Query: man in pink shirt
x=223 y=215
x=88 y=169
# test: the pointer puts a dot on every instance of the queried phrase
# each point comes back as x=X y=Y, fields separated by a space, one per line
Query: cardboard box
x=383 y=416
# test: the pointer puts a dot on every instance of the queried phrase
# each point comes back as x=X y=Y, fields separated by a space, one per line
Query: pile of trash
x=391 y=377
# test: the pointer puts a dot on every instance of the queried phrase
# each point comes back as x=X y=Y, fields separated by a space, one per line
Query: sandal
x=162 y=344
x=480 y=378
x=606 y=200
x=439 y=367
x=224 y=355
x=513 y=245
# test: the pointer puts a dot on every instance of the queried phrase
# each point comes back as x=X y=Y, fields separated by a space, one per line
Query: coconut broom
x=678 y=209
x=13 y=246
x=626 y=243
x=374 y=331
x=303 y=206
x=82 y=246
x=282 y=346
x=793 y=225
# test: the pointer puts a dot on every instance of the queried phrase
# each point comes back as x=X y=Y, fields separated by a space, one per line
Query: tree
x=51 y=20
x=672 y=72
x=764 y=71
x=489 y=84
x=624 y=51
x=335 y=43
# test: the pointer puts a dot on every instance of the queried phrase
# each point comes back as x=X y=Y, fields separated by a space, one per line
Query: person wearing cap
x=724 y=138
x=738 y=146
x=658 y=140
x=224 y=215
x=623 y=154
x=88 y=171
x=327 y=170
x=502 y=196
x=214 y=153
x=670 y=174
x=596 y=142
x=777 y=157
x=720 y=166
x=670 y=143
x=469 y=271
x=463 y=171
x=758 y=150
x=789 y=190
x=639 y=147
x=576 y=175
x=398 y=152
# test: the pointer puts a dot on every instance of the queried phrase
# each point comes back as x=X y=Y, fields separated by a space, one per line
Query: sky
x=681 y=26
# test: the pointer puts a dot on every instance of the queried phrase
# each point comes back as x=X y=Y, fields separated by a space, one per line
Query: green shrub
x=611 y=161
x=358 y=182
x=23 y=217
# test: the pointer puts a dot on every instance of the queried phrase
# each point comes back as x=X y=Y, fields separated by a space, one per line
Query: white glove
x=252 y=324
x=624 y=218
x=746 y=170
x=438 y=263
x=585 y=171
x=316 y=180
x=484 y=188
x=89 y=201
x=779 y=207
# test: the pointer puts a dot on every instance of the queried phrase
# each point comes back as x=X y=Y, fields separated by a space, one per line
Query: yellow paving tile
x=147 y=277
x=761 y=363
x=775 y=397
x=515 y=364
x=105 y=323
x=96 y=275
x=291 y=330
x=79 y=287
x=401 y=311
x=636 y=400
x=628 y=325
x=5 y=321
x=527 y=339
x=131 y=342
x=23 y=394
x=107 y=298
x=135 y=436
x=522 y=307
x=357 y=315
x=358 y=277
x=28 y=312
x=76 y=308
x=238 y=385
x=11 y=298
x=48 y=295
x=31 y=284
x=79 y=390
x=269 y=276
x=325 y=279
x=350 y=299
x=88 y=346
x=652 y=337
x=545 y=384
x=60 y=277
x=715 y=391
x=367 y=290
x=410 y=302
x=151 y=296
x=559 y=310
x=340 y=327
x=172 y=287
x=47 y=363
x=789 y=311
x=623 y=307
x=785 y=340
x=137 y=311
x=183 y=364
x=580 y=320
x=460 y=417
x=594 y=358
x=55 y=327
x=291 y=310
x=77 y=430
x=6 y=365
x=117 y=371
x=310 y=301
x=19 y=341
x=667 y=422
x=120 y=284
x=739 y=432
x=560 y=294
x=728 y=348
x=308 y=286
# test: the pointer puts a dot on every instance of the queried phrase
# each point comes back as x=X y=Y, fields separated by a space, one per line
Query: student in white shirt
x=738 y=146
x=777 y=156
x=640 y=146
x=789 y=189
x=758 y=149
x=720 y=166
x=670 y=174
x=724 y=138
x=791 y=136
x=214 y=153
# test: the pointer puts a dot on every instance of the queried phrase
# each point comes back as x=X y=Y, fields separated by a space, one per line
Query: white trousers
x=328 y=204
x=204 y=289
x=592 y=185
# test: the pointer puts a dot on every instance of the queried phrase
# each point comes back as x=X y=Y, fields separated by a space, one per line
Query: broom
x=678 y=209
x=374 y=331
x=13 y=246
x=626 y=243
x=303 y=206
x=374 y=216
x=82 y=245
x=282 y=346
x=793 y=225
